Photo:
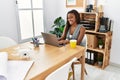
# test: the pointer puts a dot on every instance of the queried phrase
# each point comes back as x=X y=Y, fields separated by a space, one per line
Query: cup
x=73 y=43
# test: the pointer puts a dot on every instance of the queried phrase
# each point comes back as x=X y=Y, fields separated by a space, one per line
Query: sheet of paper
x=3 y=65
x=17 y=70
x=13 y=70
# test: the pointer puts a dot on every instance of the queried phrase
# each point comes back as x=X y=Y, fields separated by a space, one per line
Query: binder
x=88 y=57
x=92 y=58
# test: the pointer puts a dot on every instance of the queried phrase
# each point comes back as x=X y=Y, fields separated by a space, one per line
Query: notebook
x=51 y=39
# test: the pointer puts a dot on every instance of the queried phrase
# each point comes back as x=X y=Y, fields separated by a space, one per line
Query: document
x=13 y=70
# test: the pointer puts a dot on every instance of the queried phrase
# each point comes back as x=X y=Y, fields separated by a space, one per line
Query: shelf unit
x=93 y=36
x=91 y=20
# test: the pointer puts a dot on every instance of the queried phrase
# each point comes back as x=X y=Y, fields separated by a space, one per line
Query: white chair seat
x=62 y=72
x=6 y=42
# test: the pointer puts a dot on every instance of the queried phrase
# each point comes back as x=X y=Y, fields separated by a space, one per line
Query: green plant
x=58 y=26
x=100 y=58
x=100 y=42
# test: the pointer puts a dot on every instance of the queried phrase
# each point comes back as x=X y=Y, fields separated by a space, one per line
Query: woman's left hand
x=63 y=41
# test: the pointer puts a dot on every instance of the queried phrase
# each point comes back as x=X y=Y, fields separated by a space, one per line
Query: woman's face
x=71 y=18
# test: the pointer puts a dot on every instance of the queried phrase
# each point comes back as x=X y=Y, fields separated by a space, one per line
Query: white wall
x=8 y=19
x=50 y=12
x=111 y=9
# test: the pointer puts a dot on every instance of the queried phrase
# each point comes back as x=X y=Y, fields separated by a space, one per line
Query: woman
x=73 y=29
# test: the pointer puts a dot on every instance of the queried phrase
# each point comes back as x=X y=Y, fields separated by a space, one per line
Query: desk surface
x=47 y=58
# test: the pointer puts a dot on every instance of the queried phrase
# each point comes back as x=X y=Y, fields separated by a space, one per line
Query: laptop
x=50 y=39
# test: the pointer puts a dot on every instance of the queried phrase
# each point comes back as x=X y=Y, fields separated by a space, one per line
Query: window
x=30 y=18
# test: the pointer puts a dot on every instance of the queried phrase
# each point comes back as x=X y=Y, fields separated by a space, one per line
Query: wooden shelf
x=96 y=65
x=93 y=36
x=97 y=50
x=96 y=13
x=98 y=33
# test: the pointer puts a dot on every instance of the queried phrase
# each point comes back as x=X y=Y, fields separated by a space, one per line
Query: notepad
x=13 y=70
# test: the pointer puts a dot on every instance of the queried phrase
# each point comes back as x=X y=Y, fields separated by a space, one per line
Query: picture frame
x=75 y=3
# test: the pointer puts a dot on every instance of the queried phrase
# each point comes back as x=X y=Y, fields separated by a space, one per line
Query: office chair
x=62 y=72
x=6 y=42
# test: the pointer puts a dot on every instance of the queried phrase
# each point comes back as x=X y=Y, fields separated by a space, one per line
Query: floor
x=112 y=68
x=109 y=73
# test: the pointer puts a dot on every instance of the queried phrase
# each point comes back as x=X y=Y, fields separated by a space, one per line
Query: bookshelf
x=91 y=21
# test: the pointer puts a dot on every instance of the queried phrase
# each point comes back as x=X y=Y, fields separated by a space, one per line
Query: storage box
x=91 y=41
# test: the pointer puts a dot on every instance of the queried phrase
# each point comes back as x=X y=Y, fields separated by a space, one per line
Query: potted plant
x=100 y=60
x=100 y=43
x=58 y=26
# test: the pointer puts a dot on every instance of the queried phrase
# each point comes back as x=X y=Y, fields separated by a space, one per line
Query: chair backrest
x=84 y=41
x=62 y=72
x=6 y=42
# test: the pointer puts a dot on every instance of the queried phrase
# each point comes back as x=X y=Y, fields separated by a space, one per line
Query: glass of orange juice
x=73 y=43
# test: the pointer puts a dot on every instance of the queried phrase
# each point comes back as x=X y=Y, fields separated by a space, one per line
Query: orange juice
x=73 y=43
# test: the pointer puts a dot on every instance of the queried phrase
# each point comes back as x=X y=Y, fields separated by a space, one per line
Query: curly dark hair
x=77 y=17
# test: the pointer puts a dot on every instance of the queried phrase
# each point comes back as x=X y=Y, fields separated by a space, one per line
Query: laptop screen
x=50 y=39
